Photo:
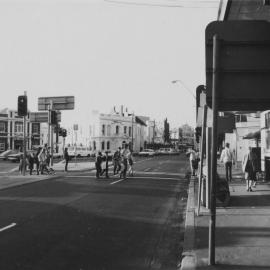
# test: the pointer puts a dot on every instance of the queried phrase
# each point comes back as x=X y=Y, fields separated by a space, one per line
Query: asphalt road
x=77 y=222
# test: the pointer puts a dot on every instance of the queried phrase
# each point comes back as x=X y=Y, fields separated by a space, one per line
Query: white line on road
x=8 y=227
x=117 y=181
x=156 y=178
x=147 y=169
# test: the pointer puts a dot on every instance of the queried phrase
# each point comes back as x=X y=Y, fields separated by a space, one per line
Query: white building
x=110 y=131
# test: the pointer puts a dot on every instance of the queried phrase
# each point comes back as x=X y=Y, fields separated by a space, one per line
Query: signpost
x=237 y=78
x=52 y=104
x=42 y=117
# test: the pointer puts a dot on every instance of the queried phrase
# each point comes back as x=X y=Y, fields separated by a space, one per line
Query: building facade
x=110 y=131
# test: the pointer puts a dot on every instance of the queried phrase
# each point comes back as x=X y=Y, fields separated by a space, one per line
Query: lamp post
x=188 y=89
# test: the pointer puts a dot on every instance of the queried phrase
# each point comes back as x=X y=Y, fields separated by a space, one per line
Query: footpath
x=242 y=228
x=14 y=178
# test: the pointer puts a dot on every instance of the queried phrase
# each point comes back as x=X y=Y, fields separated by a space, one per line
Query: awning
x=253 y=135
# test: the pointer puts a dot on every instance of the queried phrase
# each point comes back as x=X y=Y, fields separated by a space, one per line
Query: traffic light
x=53 y=118
x=60 y=131
x=198 y=133
x=64 y=132
x=22 y=105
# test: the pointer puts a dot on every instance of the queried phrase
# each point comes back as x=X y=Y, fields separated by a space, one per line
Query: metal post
x=212 y=222
x=24 y=142
x=201 y=157
x=132 y=135
x=51 y=152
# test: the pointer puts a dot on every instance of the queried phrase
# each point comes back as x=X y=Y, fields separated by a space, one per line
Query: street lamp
x=181 y=82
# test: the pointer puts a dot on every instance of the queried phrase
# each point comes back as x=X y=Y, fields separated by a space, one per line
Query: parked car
x=147 y=153
x=16 y=157
x=4 y=155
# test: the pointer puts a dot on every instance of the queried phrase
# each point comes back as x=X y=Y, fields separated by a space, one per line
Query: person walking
x=31 y=161
x=98 y=164
x=130 y=163
x=66 y=157
x=117 y=161
x=193 y=158
x=105 y=165
x=227 y=158
x=37 y=160
x=125 y=156
x=250 y=168
x=42 y=160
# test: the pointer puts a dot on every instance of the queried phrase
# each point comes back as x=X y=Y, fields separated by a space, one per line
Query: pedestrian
x=117 y=161
x=105 y=165
x=37 y=160
x=98 y=164
x=130 y=163
x=194 y=161
x=31 y=161
x=125 y=156
x=21 y=163
x=66 y=157
x=48 y=157
x=250 y=168
x=227 y=158
x=42 y=160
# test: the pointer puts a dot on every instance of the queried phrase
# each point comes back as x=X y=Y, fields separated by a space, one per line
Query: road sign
x=244 y=65
x=43 y=117
x=59 y=103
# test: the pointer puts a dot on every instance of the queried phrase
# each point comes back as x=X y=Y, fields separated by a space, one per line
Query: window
x=109 y=130
x=129 y=132
x=125 y=130
x=94 y=145
x=102 y=145
x=108 y=145
x=103 y=130
x=117 y=130
x=2 y=127
x=18 y=127
x=35 y=128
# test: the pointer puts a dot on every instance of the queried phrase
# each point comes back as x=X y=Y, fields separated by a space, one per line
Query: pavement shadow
x=232 y=267
x=250 y=200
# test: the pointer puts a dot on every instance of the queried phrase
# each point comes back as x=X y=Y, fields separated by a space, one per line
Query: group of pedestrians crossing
x=122 y=163
x=41 y=158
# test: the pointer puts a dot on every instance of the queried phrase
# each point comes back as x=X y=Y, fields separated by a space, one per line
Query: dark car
x=4 y=155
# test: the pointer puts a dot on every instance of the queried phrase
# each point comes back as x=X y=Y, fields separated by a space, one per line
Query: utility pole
x=24 y=141
x=132 y=135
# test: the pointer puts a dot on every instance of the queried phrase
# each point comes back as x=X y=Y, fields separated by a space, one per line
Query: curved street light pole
x=181 y=82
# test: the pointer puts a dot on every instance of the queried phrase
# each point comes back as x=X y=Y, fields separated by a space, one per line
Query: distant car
x=16 y=157
x=147 y=153
x=4 y=155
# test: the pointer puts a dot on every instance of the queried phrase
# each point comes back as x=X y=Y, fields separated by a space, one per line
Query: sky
x=106 y=54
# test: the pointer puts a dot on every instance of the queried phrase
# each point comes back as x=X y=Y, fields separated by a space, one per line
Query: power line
x=176 y=5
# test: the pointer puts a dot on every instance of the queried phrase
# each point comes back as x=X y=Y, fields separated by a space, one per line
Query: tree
x=166 y=134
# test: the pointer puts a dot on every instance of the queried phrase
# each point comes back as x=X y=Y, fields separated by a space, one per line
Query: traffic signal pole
x=51 y=125
x=24 y=142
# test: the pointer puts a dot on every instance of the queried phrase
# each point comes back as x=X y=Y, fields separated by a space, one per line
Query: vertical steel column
x=51 y=152
x=202 y=151
x=24 y=142
x=212 y=222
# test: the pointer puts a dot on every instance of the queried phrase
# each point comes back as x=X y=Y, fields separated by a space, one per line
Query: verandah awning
x=253 y=135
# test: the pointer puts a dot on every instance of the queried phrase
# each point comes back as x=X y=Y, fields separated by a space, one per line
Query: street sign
x=244 y=65
x=59 y=103
x=43 y=117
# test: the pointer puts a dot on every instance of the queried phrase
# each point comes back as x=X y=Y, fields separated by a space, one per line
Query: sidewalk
x=242 y=229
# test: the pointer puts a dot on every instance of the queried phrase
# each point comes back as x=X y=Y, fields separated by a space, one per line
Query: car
x=147 y=153
x=4 y=155
x=16 y=157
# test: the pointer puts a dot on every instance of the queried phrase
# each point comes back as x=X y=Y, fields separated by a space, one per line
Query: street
x=74 y=221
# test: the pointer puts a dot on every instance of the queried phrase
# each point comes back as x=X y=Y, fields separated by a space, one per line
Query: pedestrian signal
x=22 y=105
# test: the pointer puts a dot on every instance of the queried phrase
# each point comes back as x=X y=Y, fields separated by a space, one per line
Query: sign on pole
x=43 y=117
x=59 y=103
x=244 y=65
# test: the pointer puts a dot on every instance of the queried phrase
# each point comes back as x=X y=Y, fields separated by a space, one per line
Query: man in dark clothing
x=106 y=167
x=66 y=157
x=117 y=161
x=98 y=164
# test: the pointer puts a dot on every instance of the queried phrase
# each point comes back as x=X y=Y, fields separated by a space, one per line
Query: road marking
x=8 y=227
x=117 y=181
x=156 y=178
x=147 y=169
x=160 y=173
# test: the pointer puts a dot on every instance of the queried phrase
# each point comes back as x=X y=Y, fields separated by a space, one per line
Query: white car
x=147 y=153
